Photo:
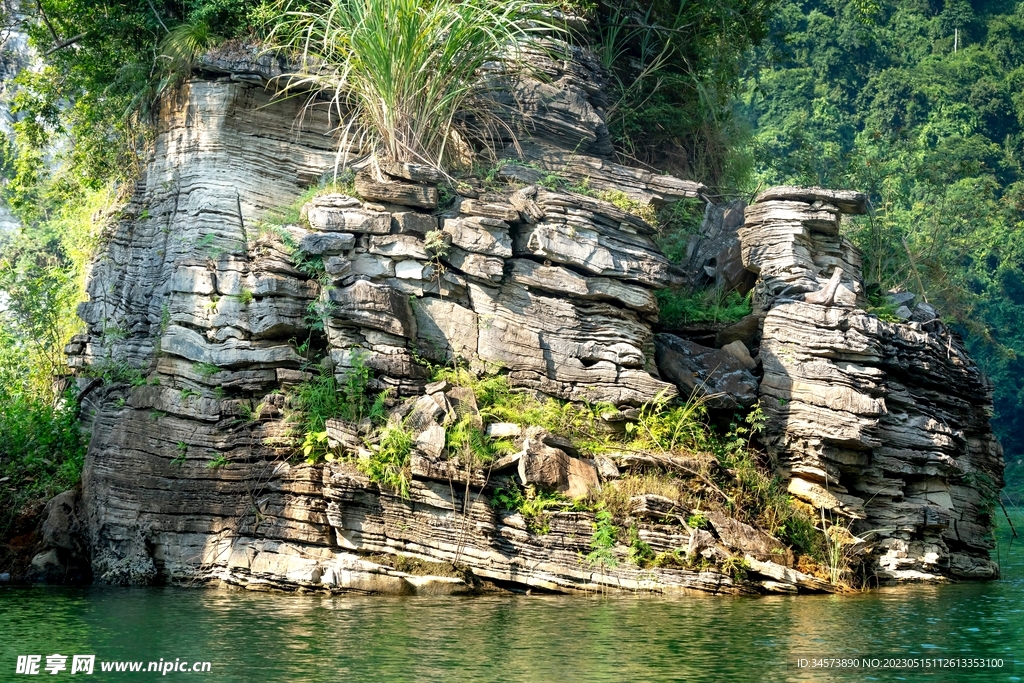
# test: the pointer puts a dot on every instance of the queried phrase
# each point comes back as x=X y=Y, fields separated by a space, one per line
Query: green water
x=251 y=637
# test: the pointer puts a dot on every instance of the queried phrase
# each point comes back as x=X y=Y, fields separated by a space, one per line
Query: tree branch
x=63 y=44
x=46 y=20
x=157 y=15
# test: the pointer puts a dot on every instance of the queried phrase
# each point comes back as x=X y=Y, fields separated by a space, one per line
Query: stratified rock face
x=559 y=103
x=191 y=474
x=792 y=241
x=187 y=474
x=885 y=423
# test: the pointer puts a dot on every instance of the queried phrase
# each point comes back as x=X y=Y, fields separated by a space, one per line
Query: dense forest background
x=920 y=103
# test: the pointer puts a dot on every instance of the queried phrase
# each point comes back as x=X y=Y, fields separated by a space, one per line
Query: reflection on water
x=271 y=637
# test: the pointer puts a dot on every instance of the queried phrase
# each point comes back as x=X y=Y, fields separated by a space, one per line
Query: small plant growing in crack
x=218 y=462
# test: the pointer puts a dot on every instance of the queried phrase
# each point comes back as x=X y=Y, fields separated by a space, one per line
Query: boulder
x=396 y=192
x=424 y=413
x=445 y=330
x=419 y=173
x=714 y=255
x=712 y=374
x=582 y=480
x=480 y=235
x=316 y=243
x=378 y=307
x=431 y=441
x=745 y=539
x=656 y=508
x=847 y=201
x=338 y=267
x=552 y=469
x=480 y=266
x=738 y=350
x=370 y=265
x=503 y=430
x=64 y=555
x=333 y=214
x=599 y=173
x=746 y=330
x=498 y=210
x=412 y=223
x=398 y=246
x=588 y=243
x=901 y=298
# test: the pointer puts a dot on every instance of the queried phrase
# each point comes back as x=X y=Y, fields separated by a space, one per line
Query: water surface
x=250 y=637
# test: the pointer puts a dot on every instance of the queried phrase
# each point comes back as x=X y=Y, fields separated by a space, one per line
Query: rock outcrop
x=63 y=553
x=210 y=310
x=883 y=423
x=206 y=306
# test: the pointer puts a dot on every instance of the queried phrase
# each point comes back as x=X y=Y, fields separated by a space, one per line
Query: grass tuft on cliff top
x=411 y=71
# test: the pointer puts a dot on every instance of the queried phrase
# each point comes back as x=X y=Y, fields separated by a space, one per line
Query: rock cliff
x=203 y=312
x=882 y=422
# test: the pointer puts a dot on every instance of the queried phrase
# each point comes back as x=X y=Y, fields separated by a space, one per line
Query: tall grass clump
x=184 y=44
x=409 y=69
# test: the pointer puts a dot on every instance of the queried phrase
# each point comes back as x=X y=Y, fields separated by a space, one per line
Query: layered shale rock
x=200 y=314
x=883 y=423
x=205 y=310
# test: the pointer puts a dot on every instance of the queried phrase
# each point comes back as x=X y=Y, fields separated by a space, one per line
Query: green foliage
x=410 y=69
x=697 y=521
x=919 y=105
x=181 y=452
x=466 y=438
x=640 y=552
x=220 y=461
x=713 y=305
x=676 y=223
x=741 y=486
x=669 y=426
x=276 y=219
x=736 y=567
x=186 y=43
x=206 y=370
x=115 y=372
x=251 y=413
x=751 y=493
x=42 y=279
x=602 y=543
x=498 y=402
x=532 y=504
x=510 y=498
x=674 y=70
x=321 y=398
x=878 y=304
x=630 y=205
x=759 y=497
x=388 y=464
x=42 y=449
x=436 y=242
x=315 y=444
x=92 y=99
